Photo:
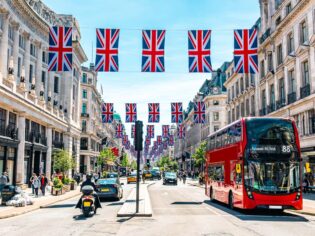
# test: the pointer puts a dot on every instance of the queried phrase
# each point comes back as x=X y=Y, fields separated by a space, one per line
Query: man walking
x=43 y=183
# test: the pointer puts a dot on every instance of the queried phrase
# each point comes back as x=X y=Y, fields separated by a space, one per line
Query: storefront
x=8 y=156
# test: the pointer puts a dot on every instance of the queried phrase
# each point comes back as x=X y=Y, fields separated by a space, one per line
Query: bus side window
x=238 y=132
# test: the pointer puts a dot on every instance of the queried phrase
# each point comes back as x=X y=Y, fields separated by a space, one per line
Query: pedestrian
x=31 y=181
x=4 y=180
x=306 y=184
x=43 y=183
x=36 y=184
x=184 y=177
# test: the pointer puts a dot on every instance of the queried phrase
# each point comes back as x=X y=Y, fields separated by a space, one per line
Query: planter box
x=66 y=188
x=56 y=191
x=73 y=186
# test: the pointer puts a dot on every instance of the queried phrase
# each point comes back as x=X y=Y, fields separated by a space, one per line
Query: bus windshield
x=270 y=139
x=272 y=177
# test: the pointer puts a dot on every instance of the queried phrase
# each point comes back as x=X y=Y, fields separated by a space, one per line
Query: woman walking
x=36 y=184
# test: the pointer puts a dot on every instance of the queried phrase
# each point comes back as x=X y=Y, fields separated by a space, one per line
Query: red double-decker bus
x=255 y=163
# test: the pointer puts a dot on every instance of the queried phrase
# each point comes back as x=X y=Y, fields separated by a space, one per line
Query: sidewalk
x=129 y=207
x=308 y=200
x=38 y=202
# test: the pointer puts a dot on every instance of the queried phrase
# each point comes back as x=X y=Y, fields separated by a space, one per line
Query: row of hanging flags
x=161 y=143
x=153 y=50
x=177 y=115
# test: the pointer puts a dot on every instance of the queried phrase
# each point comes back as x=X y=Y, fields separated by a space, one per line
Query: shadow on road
x=115 y=204
x=80 y=217
x=60 y=206
x=186 y=203
x=125 y=219
x=257 y=214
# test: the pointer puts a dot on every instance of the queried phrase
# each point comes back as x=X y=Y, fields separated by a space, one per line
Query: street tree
x=200 y=155
x=63 y=161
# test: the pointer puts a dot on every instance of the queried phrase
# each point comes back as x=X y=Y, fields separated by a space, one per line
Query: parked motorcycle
x=88 y=201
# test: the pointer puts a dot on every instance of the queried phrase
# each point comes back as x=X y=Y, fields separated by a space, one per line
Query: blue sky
x=176 y=17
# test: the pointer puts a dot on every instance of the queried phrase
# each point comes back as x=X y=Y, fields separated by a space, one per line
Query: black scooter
x=88 y=201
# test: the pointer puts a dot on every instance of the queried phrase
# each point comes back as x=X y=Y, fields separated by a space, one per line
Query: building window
x=237 y=112
x=242 y=110
x=233 y=92
x=11 y=33
x=216 y=128
x=288 y=8
x=237 y=89
x=252 y=79
x=262 y=69
x=252 y=101
x=305 y=73
x=247 y=112
x=270 y=64
x=311 y=115
x=233 y=114
x=73 y=92
x=272 y=95
x=44 y=78
x=19 y=66
x=56 y=84
x=84 y=94
x=304 y=32
x=242 y=84
x=292 y=83
x=22 y=42
x=281 y=91
x=279 y=54
x=84 y=108
x=33 y=50
x=44 y=57
x=216 y=102
x=31 y=74
x=263 y=99
x=12 y=120
x=290 y=43
x=278 y=20
x=278 y=3
x=3 y=118
x=216 y=116
x=83 y=125
x=84 y=78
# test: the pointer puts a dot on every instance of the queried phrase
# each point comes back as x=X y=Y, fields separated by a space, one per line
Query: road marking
x=213 y=211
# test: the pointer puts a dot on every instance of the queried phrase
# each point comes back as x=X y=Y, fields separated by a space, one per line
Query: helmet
x=89 y=176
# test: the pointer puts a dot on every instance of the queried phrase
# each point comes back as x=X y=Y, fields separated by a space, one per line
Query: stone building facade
x=39 y=110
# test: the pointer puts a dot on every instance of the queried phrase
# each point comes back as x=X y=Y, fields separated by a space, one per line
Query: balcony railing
x=86 y=115
x=9 y=131
x=281 y=103
x=291 y=97
x=58 y=144
x=83 y=129
x=265 y=36
x=271 y=108
x=84 y=147
x=305 y=91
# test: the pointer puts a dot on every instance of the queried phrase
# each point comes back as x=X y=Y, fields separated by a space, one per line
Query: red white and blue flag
x=125 y=140
x=177 y=112
x=107 y=112
x=181 y=131
x=153 y=50
x=245 y=51
x=147 y=141
x=154 y=112
x=131 y=112
x=165 y=145
x=159 y=139
x=107 y=50
x=171 y=140
x=165 y=131
x=133 y=131
x=127 y=145
x=199 y=112
x=60 y=49
x=199 y=42
x=119 y=131
x=150 y=131
x=155 y=145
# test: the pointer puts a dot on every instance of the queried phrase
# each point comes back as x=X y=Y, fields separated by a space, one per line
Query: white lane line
x=213 y=211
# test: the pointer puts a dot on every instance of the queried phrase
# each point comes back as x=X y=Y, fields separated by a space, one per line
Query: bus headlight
x=298 y=195
x=249 y=193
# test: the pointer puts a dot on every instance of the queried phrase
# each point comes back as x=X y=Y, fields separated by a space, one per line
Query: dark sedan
x=170 y=178
x=109 y=188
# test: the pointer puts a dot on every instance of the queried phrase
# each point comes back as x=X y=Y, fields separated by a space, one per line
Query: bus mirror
x=307 y=167
x=238 y=168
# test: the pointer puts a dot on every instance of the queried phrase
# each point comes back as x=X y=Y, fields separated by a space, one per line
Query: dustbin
x=7 y=193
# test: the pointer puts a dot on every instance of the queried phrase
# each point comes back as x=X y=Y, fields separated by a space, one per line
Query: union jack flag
x=127 y=145
x=133 y=131
x=131 y=112
x=177 y=112
x=245 y=51
x=147 y=141
x=199 y=50
x=153 y=50
x=155 y=145
x=159 y=139
x=119 y=131
x=165 y=145
x=171 y=140
x=60 y=49
x=199 y=112
x=150 y=131
x=125 y=140
x=107 y=112
x=181 y=131
x=165 y=131
x=107 y=50
x=154 y=112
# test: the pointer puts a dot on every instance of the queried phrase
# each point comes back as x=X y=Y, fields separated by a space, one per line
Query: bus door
x=236 y=182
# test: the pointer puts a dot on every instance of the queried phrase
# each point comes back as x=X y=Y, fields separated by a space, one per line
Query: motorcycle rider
x=89 y=182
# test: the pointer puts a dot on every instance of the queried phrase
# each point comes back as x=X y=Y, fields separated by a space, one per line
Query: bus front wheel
x=231 y=201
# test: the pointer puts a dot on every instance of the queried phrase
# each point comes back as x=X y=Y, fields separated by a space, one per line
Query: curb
x=302 y=212
x=34 y=208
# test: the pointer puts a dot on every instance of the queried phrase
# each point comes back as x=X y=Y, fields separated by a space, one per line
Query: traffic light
x=138 y=135
x=148 y=163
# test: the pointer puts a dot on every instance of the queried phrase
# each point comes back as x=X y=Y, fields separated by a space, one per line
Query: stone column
x=27 y=59
x=21 y=151
x=16 y=52
x=298 y=76
x=87 y=162
x=312 y=69
x=4 y=46
x=286 y=84
x=39 y=65
x=49 y=152
x=77 y=157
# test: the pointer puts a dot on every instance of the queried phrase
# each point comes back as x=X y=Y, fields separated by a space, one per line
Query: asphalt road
x=177 y=210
